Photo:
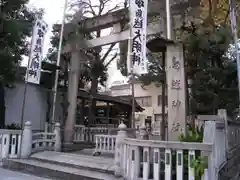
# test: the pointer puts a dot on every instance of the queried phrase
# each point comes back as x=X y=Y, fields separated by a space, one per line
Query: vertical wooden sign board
x=176 y=91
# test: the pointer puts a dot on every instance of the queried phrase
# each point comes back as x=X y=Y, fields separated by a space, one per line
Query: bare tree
x=101 y=57
x=94 y=9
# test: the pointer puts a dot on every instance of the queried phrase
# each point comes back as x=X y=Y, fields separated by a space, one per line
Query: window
x=160 y=100
x=144 y=101
x=158 y=117
x=158 y=125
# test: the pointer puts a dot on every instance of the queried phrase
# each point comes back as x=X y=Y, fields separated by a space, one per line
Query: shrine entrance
x=108 y=113
x=119 y=21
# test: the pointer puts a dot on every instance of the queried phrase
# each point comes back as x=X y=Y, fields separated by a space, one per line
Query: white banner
x=137 y=44
x=33 y=72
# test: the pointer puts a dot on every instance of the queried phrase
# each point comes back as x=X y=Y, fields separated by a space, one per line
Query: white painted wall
x=151 y=90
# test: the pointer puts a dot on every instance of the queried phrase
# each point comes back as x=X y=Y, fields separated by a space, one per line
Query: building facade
x=149 y=97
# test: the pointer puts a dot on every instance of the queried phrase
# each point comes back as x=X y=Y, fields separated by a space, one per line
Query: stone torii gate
x=75 y=44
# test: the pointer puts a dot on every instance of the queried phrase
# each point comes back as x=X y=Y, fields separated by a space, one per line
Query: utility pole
x=132 y=79
x=133 y=99
x=58 y=63
x=163 y=124
x=169 y=37
x=168 y=18
x=233 y=22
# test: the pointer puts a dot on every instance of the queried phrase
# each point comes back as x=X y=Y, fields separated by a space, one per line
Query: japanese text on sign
x=176 y=103
x=175 y=63
x=36 y=54
x=175 y=75
x=176 y=84
x=138 y=16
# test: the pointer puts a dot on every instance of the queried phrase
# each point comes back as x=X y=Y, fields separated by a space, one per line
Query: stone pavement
x=13 y=175
x=86 y=160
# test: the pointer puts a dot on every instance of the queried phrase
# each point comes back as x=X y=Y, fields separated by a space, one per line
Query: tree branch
x=210 y=10
x=226 y=17
x=101 y=7
x=107 y=64
x=108 y=51
x=90 y=57
x=113 y=9
x=87 y=5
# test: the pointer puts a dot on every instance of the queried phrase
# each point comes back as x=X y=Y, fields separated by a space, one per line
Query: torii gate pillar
x=73 y=81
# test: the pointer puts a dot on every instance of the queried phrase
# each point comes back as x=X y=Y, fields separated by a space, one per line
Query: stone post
x=215 y=134
x=143 y=134
x=26 y=146
x=118 y=157
x=5 y=146
x=175 y=75
x=57 y=132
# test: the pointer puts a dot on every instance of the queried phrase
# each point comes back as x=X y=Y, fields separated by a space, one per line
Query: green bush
x=199 y=164
x=195 y=134
x=13 y=126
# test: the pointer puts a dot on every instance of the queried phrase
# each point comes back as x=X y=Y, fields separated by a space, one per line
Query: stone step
x=78 y=161
x=77 y=146
x=55 y=171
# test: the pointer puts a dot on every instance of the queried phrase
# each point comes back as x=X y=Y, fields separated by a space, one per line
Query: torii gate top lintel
x=109 y=19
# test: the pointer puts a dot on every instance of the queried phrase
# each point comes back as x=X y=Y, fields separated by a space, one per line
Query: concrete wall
x=35 y=105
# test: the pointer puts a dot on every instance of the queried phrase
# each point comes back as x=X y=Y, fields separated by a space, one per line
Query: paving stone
x=12 y=175
x=54 y=171
x=77 y=160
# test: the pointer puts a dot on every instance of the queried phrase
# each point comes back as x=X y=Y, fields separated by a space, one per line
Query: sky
x=53 y=14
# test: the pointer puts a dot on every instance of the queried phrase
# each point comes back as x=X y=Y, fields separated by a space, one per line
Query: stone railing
x=10 y=143
x=104 y=144
x=156 y=159
x=82 y=133
x=146 y=159
x=33 y=142
x=48 y=127
x=43 y=141
x=79 y=133
x=106 y=125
